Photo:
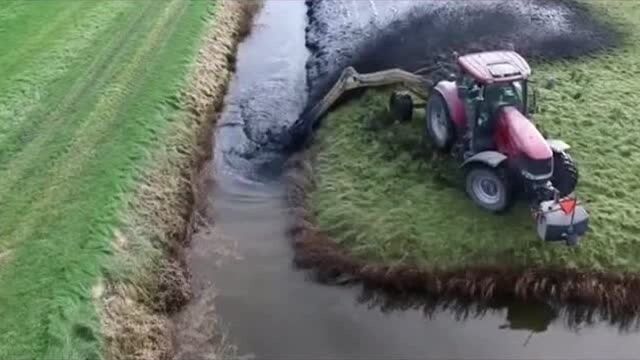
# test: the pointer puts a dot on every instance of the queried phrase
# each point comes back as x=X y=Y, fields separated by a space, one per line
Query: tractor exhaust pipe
x=562 y=220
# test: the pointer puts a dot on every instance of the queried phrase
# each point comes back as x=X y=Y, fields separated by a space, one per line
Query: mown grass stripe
x=69 y=113
x=61 y=192
x=49 y=29
x=42 y=88
x=22 y=16
x=98 y=129
x=62 y=128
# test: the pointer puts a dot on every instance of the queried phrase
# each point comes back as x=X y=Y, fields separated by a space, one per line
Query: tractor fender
x=449 y=92
x=558 y=145
x=490 y=158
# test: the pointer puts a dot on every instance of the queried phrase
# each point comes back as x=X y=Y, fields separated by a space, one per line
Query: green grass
x=87 y=89
x=379 y=198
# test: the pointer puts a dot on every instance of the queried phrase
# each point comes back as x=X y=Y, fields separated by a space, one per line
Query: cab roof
x=495 y=66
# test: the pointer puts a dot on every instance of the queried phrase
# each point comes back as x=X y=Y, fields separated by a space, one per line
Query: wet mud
x=419 y=34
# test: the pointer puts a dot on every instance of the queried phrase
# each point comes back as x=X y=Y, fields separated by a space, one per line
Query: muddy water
x=272 y=311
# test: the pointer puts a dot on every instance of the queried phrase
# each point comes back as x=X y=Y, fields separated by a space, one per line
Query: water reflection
x=533 y=316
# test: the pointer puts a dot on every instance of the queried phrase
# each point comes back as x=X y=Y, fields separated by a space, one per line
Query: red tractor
x=482 y=119
x=479 y=114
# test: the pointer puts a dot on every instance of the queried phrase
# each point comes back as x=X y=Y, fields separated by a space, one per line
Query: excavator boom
x=350 y=79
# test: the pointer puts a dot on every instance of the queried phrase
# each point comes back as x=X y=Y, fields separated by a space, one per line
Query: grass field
x=379 y=198
x=87 y=89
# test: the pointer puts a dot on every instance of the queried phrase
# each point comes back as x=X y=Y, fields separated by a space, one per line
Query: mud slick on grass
x=149 y=281
x=425 y=36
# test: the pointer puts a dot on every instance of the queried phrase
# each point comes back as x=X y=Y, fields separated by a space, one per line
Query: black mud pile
x=431 y=30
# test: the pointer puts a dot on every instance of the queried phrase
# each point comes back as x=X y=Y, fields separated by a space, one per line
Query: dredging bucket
x=562 y=220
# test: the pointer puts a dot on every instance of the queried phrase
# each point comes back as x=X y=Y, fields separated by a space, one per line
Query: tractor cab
x=488 y=82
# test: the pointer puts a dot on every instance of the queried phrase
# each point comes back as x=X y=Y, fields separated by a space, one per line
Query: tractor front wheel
x=489 y=188
x=565 y=173
x=439 y=126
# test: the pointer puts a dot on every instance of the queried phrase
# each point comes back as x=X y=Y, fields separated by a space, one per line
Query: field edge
x=147 y=280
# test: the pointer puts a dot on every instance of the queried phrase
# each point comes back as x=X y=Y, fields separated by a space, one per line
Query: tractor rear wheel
x=439 y=127
x=401 y=106
x=565 y=173
x=489 y=188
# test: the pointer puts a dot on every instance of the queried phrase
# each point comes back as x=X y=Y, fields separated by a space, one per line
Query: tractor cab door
x=482 y=103
x=486 y=119
x=471 y=94
x=479 y=118
x=495 y=96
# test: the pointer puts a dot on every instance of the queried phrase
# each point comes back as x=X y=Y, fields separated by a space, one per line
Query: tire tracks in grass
x=46 y=209
x=25 y=105
x=24 y=170
x=75 y=161
x=11 y=9
x=15 y=11
x=37 y=45
x=56 y=176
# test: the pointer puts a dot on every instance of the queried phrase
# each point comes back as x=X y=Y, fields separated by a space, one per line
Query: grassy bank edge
x=583 y=294
x=146 y=280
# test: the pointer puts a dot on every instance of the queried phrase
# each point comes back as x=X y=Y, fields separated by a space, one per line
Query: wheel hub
x=487 y=190
x=489 y=187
